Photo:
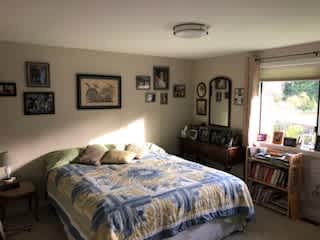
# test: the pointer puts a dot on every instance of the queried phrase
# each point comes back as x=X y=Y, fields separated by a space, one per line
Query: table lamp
x=4 y=162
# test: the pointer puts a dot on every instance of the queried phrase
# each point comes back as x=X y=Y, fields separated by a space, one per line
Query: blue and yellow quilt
x=152 y=198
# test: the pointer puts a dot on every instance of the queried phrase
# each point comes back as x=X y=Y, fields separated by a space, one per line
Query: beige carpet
x=268 y=226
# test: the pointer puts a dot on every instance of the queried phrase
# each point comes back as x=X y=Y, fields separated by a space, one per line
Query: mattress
x=158 y=197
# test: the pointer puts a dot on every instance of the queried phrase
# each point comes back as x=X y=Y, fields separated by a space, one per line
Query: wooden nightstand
x=27 y=191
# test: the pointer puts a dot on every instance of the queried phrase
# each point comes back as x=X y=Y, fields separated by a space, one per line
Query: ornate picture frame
x=201 y=89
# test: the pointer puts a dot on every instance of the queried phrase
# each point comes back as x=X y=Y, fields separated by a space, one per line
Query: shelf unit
x=291 y=191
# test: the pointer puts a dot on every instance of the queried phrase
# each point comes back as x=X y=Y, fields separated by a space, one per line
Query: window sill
x=306 y=152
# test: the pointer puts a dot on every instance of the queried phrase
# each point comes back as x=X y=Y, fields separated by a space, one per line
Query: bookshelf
x=274 y=180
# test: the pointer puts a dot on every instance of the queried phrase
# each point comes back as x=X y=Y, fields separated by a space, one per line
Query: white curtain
x=251 y=123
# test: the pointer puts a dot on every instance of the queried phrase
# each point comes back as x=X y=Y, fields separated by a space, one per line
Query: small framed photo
x=160 y=78
x=201 y=106
x=238 y=96
x=36 y=103
x=8 y=89
x=143 y=82
x=163 y=98
x=204 y=134
x=290 y=142
x=98 y=91
x=317 y=145
x=179 y=90
x=150 y=97
x=37 y=74
x=277 y=138
x=201 y=89
x=221 y=83
x=218 y=96
x=193 y=134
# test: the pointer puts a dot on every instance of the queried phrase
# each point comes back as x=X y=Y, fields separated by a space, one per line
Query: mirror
x=220 y=102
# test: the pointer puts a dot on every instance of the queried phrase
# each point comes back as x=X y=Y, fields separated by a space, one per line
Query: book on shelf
x=282 y=160
x=268 y=175
x=267 y=195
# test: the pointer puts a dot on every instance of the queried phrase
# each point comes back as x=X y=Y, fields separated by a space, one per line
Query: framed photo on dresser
x=204 y=134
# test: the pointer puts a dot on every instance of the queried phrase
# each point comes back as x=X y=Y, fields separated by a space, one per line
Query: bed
x=160 y=196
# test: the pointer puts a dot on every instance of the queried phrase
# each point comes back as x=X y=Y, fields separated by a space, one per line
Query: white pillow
x=118 y=157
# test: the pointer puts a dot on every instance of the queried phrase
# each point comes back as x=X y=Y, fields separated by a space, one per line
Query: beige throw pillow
x=117 y=156
x=91 y=155
x=138 y=149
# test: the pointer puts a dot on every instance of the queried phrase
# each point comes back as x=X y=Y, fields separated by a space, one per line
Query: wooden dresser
x=207 y=153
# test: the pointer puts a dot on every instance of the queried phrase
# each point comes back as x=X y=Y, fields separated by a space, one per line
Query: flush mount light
x=190 y=30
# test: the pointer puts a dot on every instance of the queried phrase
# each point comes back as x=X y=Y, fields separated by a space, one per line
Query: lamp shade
x=4 y=159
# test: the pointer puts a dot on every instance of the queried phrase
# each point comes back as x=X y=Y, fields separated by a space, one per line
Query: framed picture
x=317 y=145
x=36 y=103
x=98 y=91
x=160 y=78
x=8 y=89
x=218 y=96
x=201 y=89
x=238 y=96
x=204 y=134
x=201 y=106
x=221 y=83
x=290 y=142
x=163 y=98
x=150 y=97
x=193 y=134
x=143 y=82
x=37 y=74
x=179 y=90
x=277 y=138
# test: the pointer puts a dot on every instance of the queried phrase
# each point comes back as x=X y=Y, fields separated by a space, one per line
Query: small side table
x=27 y=191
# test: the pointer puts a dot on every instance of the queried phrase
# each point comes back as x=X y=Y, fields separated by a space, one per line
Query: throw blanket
x=152 y=198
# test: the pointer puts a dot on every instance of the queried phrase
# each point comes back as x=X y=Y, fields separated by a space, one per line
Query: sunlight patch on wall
x=254 y=120
x=134 y=132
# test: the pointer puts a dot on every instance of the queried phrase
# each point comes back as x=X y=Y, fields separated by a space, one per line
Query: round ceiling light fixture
x=191 y=30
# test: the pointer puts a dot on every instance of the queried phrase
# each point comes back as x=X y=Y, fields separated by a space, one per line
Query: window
x=291 y=107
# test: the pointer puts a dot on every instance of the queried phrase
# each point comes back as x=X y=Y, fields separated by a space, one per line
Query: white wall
x=232 y=66
x=28 y=137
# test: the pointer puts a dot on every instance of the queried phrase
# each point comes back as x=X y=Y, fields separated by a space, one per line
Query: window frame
x=316 y=128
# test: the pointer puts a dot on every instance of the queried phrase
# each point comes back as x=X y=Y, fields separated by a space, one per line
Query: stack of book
x=280 y=201
x=263 y=194
x=269 y=175
x=278 y=160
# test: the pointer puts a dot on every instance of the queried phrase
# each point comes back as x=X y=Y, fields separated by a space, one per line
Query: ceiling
x=145 y=26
